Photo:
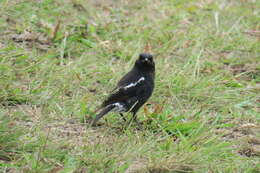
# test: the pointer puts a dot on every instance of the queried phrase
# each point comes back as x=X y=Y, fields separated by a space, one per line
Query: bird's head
x=145 y=61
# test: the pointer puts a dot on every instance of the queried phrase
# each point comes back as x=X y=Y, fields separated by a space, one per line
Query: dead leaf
x=56 y=169
x=158 y=107
x=254 y=140
x=148 y=47
x=28 y=36
x=250 y=151
x=146 y=111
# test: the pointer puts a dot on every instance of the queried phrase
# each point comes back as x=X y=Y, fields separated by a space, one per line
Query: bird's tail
x=102 y=113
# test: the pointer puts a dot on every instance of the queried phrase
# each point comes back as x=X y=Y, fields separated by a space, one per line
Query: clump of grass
x=175 y=125
x=9 y=138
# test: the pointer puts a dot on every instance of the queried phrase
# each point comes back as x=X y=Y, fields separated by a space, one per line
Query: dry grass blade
x=254 y=33
x=55 y=30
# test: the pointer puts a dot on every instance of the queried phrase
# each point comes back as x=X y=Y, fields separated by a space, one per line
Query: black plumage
x=132 y=91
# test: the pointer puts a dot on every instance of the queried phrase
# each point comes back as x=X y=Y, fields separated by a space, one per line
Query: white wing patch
x=134 y=84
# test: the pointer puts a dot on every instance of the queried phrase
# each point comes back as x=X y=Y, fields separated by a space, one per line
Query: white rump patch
x=118 y=107
x=134 y=84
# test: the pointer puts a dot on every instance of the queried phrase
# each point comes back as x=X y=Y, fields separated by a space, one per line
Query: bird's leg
x=134 y=118
x=138 y=124
x=122 y=116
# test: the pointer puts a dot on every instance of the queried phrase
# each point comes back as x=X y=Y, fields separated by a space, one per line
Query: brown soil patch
x=246 y=137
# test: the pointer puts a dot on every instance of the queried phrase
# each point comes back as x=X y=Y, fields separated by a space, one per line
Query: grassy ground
x=60 y=58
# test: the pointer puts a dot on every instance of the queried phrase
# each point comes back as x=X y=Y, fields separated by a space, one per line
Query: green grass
x=60 y=59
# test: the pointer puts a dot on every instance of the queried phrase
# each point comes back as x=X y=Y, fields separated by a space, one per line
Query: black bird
x=132 y=91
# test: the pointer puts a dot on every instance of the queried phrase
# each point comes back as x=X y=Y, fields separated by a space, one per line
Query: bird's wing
x=131 y=76
x=126 y=92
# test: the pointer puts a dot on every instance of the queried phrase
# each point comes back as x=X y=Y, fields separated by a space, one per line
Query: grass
x=60 y=59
